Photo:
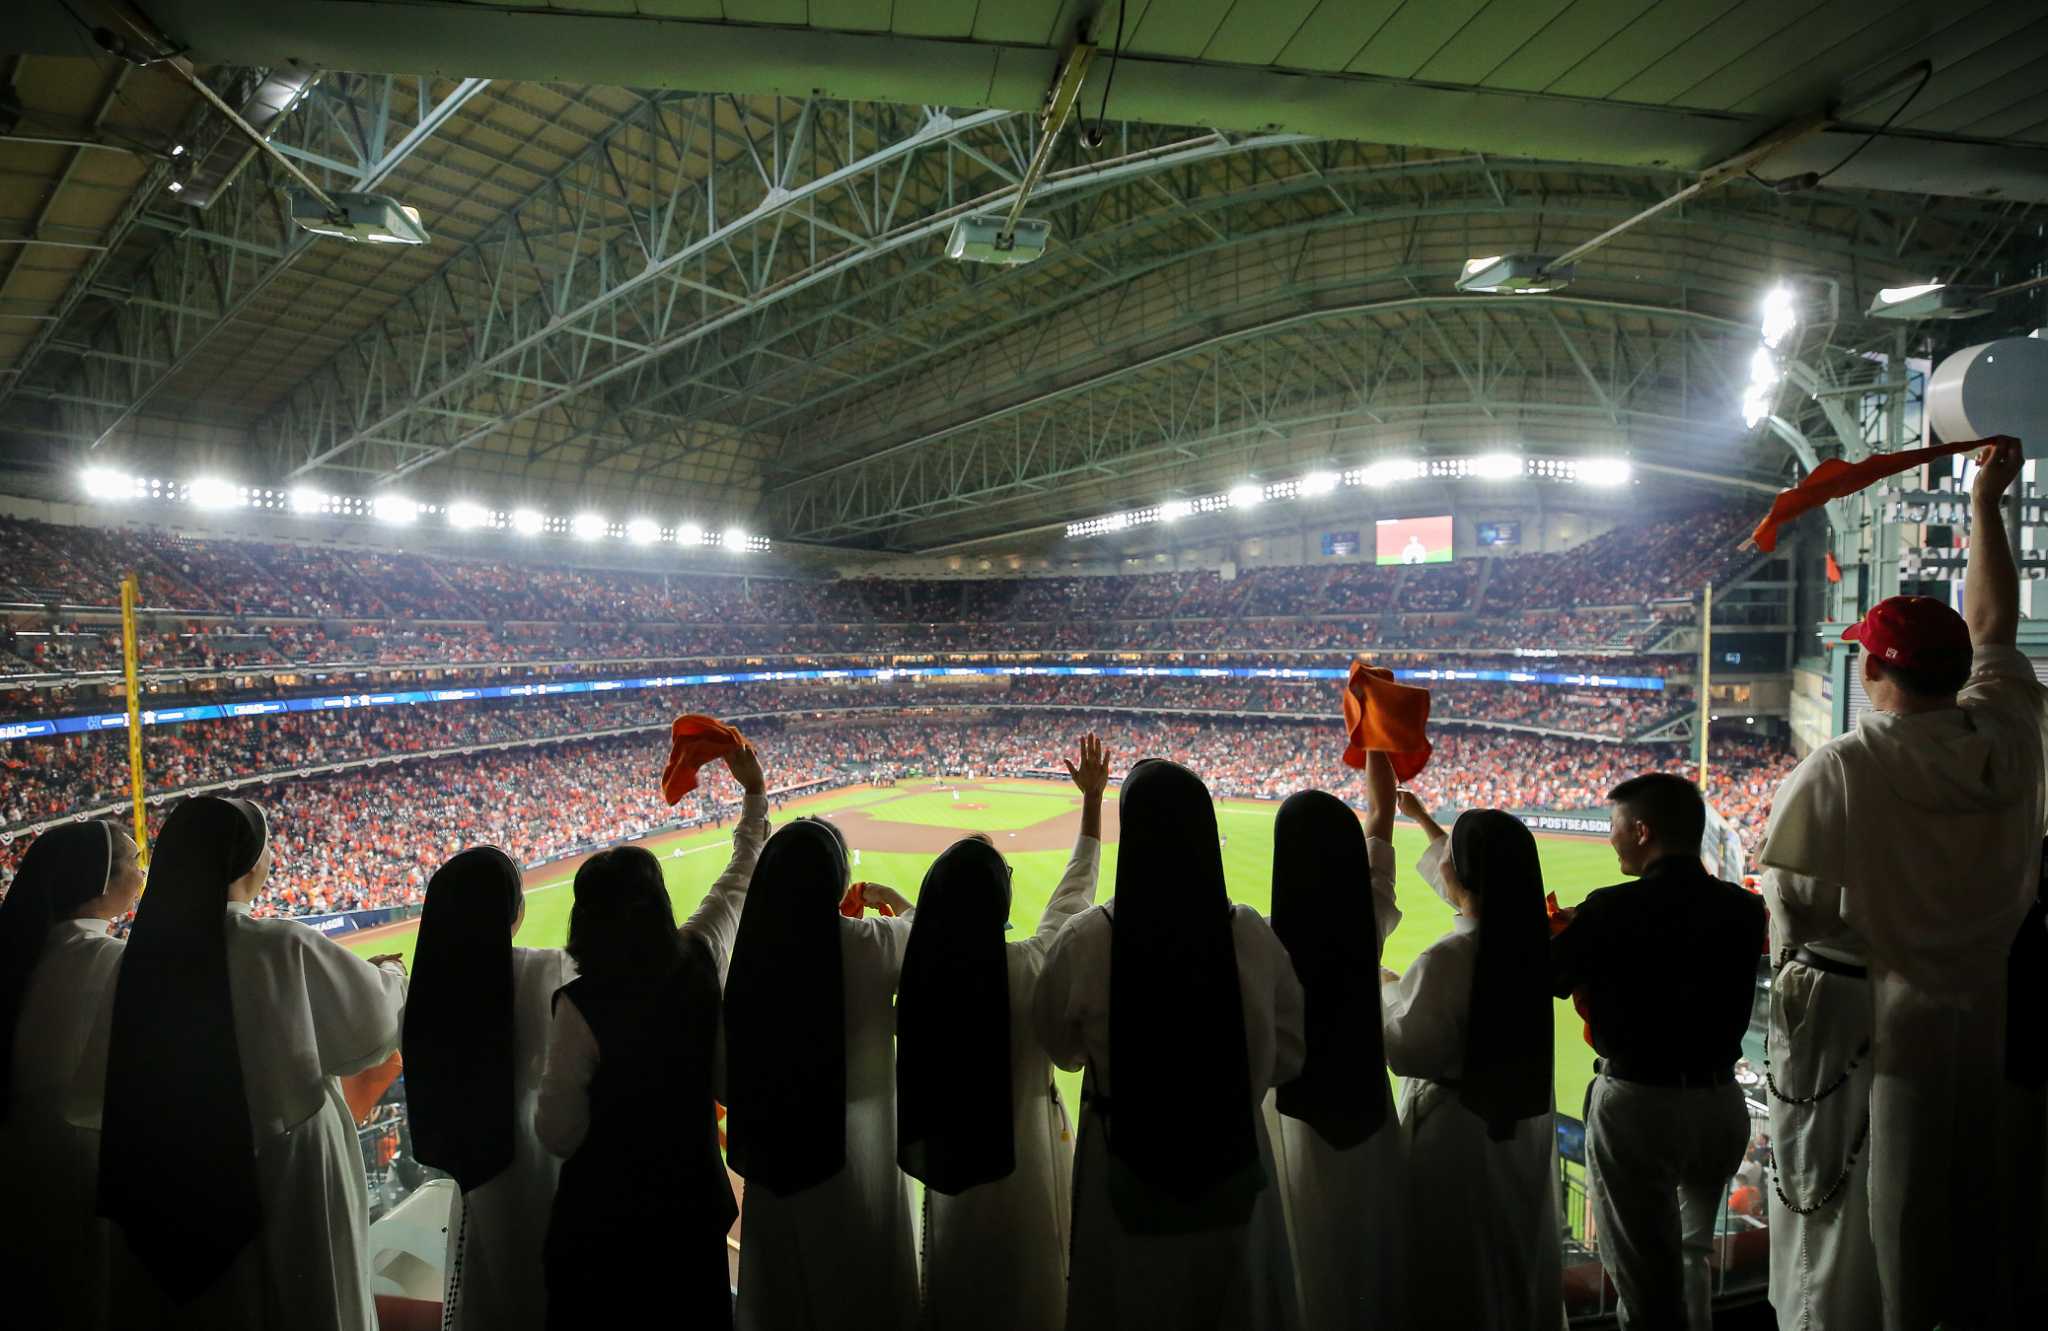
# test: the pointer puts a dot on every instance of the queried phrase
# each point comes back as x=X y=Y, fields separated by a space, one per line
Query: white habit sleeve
x=562 y=1115
x=1076 y=891
x=717 y=918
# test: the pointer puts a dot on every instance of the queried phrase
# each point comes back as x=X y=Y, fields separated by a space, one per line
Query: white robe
x=493 y=1270
x=1344 y=1207
x=1482 y=1215
x=1242 y=1278
x=1917 y=840
x=841 y=1255
x=995 y=1256
x=53 y=1248
x=307 y=1012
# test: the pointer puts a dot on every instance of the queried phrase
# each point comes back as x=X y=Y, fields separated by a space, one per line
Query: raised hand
x=1092 y=775
x=1410 y=804
x=745 y=766
x=1998 y=464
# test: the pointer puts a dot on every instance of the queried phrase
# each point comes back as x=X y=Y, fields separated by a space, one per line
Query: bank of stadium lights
x=1778 y=318
x=111 y=485
x=1929 y=300
x=1604 y=472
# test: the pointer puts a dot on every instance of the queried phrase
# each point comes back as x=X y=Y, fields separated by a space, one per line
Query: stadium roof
x=642 y=295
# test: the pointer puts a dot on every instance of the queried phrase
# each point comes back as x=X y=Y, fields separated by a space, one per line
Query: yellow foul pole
x=1706 y=676
x=130 y=590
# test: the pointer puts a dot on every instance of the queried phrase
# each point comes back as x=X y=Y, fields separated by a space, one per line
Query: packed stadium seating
x=368 y=837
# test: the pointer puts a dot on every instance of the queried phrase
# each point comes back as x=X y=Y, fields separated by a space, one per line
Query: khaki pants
x=1823 y=1264
x=1660 y=1159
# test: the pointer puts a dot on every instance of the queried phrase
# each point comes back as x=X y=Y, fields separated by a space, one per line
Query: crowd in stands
x=56 y=775
x=42 y=564
x=365 y=837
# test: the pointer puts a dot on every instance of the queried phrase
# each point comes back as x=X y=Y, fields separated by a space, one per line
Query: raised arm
x=1411 y=804
x=1076 y=890
x=1379 y=795
x=1991 y=590
x=717 y=918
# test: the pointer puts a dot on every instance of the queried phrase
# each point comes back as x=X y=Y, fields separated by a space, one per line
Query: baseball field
x=896 y=831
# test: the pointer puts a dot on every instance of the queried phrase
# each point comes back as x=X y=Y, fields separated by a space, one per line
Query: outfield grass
x=1572 y=867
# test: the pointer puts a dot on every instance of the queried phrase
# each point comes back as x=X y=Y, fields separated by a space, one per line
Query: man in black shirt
x=1666 y=971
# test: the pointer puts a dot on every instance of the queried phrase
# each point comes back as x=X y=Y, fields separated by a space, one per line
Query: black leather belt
x=1829 y=964
x=1686 y=1079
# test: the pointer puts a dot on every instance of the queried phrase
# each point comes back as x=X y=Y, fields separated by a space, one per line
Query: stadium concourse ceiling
x=693 y=266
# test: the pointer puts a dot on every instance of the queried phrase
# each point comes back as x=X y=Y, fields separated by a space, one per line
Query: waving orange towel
x=1560 y=917
x=850 y=904
x=1835 y=478
x=693 y=741
x=1384 y=717
x=362 y=1091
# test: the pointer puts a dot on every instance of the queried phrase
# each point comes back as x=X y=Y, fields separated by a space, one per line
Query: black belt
x=1830 y=965
x=1682 y=1079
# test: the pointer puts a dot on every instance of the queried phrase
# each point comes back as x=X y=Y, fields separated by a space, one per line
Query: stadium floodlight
x=394 y=509
x=1604 y=471
x=588 y=526
x=735 y=538
x=465 y=516
x=1247 y=495
x=1756 y=403
x=106 y=483
x=1929 y=300
x=643 y=531
x=1173 y=510
x=1514 y=274
x=305 y=499
x=1495 y=466
x=689 y=533
x=527 y=521
x=1389 y=470
x=213 y=492
x=1318 y=483
x=375 y=218
x=1781 y=315
x=1763 y=368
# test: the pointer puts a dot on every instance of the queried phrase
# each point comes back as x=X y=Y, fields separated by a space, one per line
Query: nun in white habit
x=1184 y=1010
x=825 y=1240
x=228 y=1159
x=979 y=1121
x=1469 y=1030
x=57 y=967
x=1336 y=1142
x=476 y=1023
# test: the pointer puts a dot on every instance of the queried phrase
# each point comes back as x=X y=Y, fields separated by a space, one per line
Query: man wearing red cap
x=1900 y=860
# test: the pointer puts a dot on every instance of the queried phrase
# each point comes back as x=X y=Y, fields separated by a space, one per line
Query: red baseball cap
x=1912 y=631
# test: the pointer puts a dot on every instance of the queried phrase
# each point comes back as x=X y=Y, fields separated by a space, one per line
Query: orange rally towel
x=1381 y=716
x=850 y=904
x=1834 y=478
x=362 y=1091
x=693 y=741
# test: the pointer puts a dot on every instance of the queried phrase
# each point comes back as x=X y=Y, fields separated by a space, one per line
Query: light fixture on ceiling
x=1318 y=483
x=1515 y=274
x=305 y=499
x=466 y=516
x=1496 y=466
x=374 y=218
x=588 y=526
x=396 y=510
x=1763 y=368
x=527 y=521
x=1247 y=495
x=1173 y=510
x=735 y=538
x=1604 y=472
x=1780 y=315
x=1387 y=471
x=689 y=533
x=213 y=492
x=106 y=483
x=1929 y=300
x=643 y=531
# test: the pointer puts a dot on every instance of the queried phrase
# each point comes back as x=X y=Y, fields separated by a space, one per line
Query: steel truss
x=350 y=132
x=1313 y=388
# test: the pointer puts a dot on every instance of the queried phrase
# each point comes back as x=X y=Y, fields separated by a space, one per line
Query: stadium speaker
x=1993 y=388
